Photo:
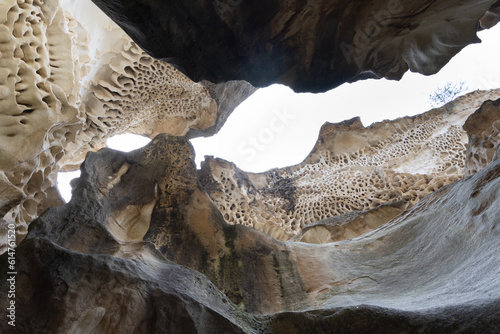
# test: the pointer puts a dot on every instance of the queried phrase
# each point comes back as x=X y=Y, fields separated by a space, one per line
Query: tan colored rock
x=483 y=129
x=351 y=168
x=350 y=225
x=72 y=79
x=38 y=111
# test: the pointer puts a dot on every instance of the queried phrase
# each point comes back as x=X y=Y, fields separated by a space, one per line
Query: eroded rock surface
x=432 y=269
x=483 y=129
x=38 y=111
x=308 y=46
x=351 y=168
x=349 y=225
x=149 y=244
x=71 y=79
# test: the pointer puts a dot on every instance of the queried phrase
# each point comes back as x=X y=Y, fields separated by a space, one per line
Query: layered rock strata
x=112 y=261
x=308 y=46
x=353 y=168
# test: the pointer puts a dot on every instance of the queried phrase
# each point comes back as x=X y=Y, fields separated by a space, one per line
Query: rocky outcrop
x=125 y=90
x=308 y=46
x=351 y=168
x=90 y=266
x=483 y=129
x=71 y=80
x=388 y=236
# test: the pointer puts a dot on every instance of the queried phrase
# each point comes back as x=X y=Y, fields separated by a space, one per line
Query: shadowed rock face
x=309 y=46
x=111 y=261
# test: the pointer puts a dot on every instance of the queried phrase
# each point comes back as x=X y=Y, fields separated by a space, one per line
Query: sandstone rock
x=483 y=129
x=38 y=112
x=307 y=46
x=491 y=17
x=351 y=168
x=62 y=291
x=72 y=79
x=349 y=225
x=432 y=269
x=125 y=90
x=148 y=244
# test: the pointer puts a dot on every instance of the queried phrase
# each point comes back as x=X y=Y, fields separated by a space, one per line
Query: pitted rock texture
x=350 y=225
x=483 y=129
x=38 y=111
x=125 y=90
x=70 y=79
x=308 y=46
x=431 y=269
x=351 y=168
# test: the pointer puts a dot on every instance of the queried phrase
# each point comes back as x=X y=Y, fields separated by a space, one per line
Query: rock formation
x=483 y=128
x=308 y=46
x=376 y=231
x=111 y=260
x=352 y=168
x=68 y=87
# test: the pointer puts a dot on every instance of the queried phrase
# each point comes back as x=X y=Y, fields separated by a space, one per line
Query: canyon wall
x=389 y=228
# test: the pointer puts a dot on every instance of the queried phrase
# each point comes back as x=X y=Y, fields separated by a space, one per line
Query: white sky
x=276 y=127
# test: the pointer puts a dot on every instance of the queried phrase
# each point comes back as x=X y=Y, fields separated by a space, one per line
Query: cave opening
x=385 y=226
x=276 y=127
